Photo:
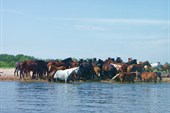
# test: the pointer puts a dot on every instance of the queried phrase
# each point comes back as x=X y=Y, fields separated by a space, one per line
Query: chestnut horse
x=149 y=77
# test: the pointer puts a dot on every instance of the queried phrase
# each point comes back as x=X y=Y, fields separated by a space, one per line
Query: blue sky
x=87 y=28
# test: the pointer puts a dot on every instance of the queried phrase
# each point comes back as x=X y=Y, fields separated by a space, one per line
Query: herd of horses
x=109 y=69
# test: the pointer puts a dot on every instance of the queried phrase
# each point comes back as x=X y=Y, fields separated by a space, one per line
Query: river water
x=92 y=97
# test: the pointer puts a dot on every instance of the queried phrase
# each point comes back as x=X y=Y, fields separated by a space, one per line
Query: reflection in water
x=19 y=97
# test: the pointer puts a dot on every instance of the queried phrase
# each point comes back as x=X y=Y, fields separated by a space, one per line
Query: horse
x=127 y=77
x=121 y=67
x=149 y=76
x=67 y=74
x=96 y=71
x=68 y=62
x=166 y=68
x=56 y=64
x=73 y=64
x=42 y=68
x=130 y=61
x=119 y=60
x=108 y=71
x=54 y=68
x=86 y=70
x=28 y=66
x=137 y=67
x=17 y=68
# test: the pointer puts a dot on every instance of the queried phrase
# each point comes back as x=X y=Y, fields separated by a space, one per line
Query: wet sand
x=7 y=74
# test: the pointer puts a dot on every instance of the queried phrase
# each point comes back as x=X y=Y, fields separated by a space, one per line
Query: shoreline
x=7 y=74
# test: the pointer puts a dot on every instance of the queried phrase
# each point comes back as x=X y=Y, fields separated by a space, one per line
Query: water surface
x=94 y=97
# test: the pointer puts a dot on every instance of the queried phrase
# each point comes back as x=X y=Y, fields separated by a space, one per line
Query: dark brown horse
x=108 y=71
x=28 y=66
x=130 y=61
x=127 y=77
x=149 y=77
x=56 y=64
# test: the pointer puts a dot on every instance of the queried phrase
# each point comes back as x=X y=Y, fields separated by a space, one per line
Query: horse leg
x=102 y=75
x=133 y=80
x=15 y=71
x=20 y=75
x=67 y=80
x=155 y=78
x=121 y=78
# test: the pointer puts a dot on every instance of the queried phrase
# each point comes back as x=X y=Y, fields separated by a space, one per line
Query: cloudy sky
x=86 y=28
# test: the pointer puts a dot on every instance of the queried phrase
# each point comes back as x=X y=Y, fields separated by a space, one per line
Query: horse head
x=146 y=63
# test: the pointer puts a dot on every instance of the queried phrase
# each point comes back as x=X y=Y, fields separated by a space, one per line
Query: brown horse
x=166 y=68
x=108 y=71
x=149 y=76
x=56 y=64
x=28 y=66
x=127 y=77
x=54 y=68
x=74 y=64
x=137 y=67
x=121 y=67
x=96 y=71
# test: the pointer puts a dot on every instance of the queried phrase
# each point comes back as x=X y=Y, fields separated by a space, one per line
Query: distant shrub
x=7 y=60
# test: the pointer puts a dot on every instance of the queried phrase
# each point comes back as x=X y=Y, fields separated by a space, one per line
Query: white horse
x=66 y=74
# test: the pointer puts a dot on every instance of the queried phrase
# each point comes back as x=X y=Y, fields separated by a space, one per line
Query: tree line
x=7 y=60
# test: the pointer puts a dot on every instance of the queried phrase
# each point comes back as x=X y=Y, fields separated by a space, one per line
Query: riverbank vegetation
x=7 y=60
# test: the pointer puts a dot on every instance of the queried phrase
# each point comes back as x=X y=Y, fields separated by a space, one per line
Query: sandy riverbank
x=7 y=74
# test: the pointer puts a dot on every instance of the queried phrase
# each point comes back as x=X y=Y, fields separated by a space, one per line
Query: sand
x=7 y=74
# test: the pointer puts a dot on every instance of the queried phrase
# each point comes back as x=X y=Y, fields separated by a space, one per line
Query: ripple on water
x=92 y=97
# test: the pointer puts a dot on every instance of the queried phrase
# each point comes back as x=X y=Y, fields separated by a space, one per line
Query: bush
x=7 y=60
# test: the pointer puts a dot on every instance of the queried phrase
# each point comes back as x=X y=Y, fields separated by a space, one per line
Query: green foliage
x=7 y=60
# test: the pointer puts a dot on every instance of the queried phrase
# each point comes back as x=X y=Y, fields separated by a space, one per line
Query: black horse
x=86 y=70
x=68 y=62
x=134 y=61
x=42 y=68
